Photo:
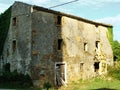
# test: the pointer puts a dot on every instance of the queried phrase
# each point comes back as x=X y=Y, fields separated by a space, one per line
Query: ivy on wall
x=4 y=27
x=110 y=35
x=115 y=44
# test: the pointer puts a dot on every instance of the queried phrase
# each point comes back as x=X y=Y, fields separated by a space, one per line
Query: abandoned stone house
x=55 y=47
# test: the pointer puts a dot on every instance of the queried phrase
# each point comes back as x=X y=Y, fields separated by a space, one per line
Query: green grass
x=94 y=83
x=111 y=81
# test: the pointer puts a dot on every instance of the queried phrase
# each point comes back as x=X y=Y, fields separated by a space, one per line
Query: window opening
x=97 y=44
x=81 y=67
x=60 y=44
x=14 y=45
x=59 y=20
x=96 y=66
x=85 y=47
x=14 y=21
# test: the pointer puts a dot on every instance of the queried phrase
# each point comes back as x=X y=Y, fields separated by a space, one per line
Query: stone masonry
x=55 y=47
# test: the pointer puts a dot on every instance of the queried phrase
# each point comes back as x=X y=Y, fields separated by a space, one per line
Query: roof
x=67 y=15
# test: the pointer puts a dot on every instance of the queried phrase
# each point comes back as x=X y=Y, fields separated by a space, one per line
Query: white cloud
x=115 y=20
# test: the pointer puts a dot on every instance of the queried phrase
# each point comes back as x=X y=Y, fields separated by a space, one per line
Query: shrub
x=47 y=85
x=15 y=79
x=114 y=71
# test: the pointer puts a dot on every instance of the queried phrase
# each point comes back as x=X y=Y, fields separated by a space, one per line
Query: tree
x=116 y=50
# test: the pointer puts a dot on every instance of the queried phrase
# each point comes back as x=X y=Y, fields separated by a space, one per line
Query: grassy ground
x=95 y=83
x=98 y=83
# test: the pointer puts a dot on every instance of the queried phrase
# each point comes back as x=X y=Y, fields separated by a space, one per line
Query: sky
x=105 y=11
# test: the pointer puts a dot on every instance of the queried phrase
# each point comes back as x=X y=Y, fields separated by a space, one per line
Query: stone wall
x=42 y=43
x=18 y=42
x=74 y=34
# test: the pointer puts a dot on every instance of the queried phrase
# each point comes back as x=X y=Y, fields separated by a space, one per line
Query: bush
x=47 y=85
x=114 y=71
x=15 y=79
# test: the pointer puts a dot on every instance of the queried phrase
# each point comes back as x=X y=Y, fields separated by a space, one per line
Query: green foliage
x=115 y=44
x=116 y=50
x=47 y=85
x=4 y=26
x=114 y=71
x=110 y=34
x=15 y=80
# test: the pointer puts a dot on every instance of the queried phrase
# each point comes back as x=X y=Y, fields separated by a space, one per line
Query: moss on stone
x=4 y=27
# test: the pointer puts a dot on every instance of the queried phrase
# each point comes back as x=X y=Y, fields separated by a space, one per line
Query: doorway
x=60 y=74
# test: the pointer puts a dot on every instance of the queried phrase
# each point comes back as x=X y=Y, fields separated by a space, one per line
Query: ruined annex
x=55 y=47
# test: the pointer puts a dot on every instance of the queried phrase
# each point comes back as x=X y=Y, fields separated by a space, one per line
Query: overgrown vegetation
x=4 y=26
x=110 y=34
x=116 y=50
x=47 y=86
x=114 y=44
x=14 y=79
x=114 y=71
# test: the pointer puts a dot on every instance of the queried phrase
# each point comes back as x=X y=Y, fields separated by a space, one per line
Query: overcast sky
x=107 y=11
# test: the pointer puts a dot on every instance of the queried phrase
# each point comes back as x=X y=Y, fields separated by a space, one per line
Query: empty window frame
x=60 y=41
x=85 y=47
x=14 y=21
x=59 y=20
x=96 y=66
x=14 y=45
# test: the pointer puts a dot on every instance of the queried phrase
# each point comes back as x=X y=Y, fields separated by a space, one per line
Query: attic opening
x=60 y=41
x=59 y=18
x=96 y=28
x=14 y=21
x=96 y=66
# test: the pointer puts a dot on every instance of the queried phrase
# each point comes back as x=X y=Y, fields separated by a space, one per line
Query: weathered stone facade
x=55 y=47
